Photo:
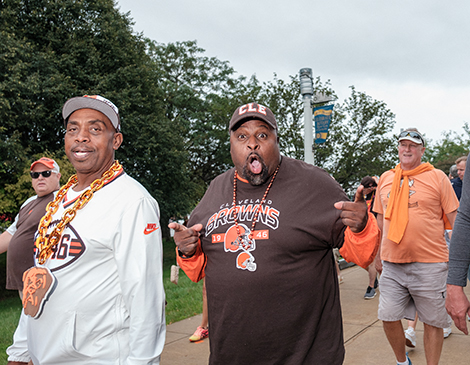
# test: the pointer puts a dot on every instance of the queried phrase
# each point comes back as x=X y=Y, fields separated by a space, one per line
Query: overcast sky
x=413 y=55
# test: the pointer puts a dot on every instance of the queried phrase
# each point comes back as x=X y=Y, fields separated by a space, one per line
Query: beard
x=255 y=179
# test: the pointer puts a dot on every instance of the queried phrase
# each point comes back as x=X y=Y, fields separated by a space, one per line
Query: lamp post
x=306 y=89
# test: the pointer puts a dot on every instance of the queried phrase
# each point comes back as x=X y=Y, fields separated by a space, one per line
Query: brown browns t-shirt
x=21 y=249
x=277 y=300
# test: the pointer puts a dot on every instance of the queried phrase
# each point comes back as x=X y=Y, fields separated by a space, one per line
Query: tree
x=200 y=94
x=55 y=49
x=360 y=141
x=192 y=85
x=444 y=152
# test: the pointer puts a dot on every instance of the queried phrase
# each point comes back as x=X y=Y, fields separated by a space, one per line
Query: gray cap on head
x=95 y=102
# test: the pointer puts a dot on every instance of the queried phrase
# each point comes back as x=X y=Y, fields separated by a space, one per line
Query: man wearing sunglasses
x=411 y=201
x=18 y=239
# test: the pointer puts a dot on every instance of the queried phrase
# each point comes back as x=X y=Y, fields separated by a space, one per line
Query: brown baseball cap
x=95 y=102
x=252 y=111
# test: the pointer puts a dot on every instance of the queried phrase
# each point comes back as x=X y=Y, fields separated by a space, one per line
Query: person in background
x=410 y=202
x=370 y=185
x=457 y=303
x=18 y=239
x=453 y=172
x=202 y=331
x=457 y=182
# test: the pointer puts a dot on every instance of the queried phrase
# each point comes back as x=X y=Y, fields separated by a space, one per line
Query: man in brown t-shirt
x=18 y=239
x=263 y=236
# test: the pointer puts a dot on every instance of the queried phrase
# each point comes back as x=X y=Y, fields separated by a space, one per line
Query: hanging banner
x=322 y=116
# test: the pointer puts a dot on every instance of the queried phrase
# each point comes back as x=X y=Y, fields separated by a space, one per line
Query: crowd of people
x=86 y=258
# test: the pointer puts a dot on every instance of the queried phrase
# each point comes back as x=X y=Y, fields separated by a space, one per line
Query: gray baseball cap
x=95 y=102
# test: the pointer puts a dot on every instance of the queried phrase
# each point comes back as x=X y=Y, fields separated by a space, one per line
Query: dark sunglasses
x=35 y=175
x=412 y=135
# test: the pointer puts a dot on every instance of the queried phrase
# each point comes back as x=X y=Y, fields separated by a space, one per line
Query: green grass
x=10 y=310
x=184 y=300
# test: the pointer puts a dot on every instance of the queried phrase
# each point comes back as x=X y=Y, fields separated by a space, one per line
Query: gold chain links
x=44 y=244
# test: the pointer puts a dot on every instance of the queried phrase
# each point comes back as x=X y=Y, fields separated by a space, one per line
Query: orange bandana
x=397 y=209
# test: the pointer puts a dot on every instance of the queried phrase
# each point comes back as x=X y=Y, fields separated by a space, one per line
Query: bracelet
x=184 y=256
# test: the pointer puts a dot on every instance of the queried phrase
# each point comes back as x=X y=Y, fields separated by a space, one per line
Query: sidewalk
x=364 y=337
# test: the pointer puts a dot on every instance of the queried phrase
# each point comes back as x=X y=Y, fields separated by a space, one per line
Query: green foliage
x=444 y=152
x=360 y=141
x=193 y=86
x=10 y=310
x=284 y=100
x=52 y=50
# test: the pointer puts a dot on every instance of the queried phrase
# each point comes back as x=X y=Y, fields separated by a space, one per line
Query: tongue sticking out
x=255 y=167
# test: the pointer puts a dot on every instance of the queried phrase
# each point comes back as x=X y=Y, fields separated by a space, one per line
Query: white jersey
x=109 y=304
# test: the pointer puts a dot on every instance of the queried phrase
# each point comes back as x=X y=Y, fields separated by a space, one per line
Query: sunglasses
x=35 y=175
x=412 y=135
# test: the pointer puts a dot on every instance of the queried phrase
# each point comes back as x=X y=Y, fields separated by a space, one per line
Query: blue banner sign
x=322 y=116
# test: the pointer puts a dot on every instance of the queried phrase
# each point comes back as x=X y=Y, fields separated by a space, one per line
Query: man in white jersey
x=96 y=293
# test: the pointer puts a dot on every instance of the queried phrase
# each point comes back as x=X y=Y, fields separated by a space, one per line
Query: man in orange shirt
x=410 y=203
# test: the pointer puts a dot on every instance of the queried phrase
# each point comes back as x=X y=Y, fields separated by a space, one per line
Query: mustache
x=250 y=158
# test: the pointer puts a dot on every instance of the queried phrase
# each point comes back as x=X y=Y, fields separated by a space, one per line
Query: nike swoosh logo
x=148 y=231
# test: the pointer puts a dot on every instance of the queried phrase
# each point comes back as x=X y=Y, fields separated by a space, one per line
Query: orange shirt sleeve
x=361 y=248
x=193 y=266
x=447 y=224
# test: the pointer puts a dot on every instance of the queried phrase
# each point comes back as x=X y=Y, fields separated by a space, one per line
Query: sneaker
x=370 y=293
x=410 y=337
x=200 y=334
x=447 y=332
x=409 y=361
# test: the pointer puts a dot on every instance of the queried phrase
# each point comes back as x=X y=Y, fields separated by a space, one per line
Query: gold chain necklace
x=255 y=218
x=44 y=244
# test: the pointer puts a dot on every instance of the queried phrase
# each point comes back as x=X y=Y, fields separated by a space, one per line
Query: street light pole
x=306 y=89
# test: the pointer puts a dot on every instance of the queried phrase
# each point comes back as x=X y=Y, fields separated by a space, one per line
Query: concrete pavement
x=364 y=337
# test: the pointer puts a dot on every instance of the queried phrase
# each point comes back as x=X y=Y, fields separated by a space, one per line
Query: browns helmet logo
x=232 y=241
x=246 y=261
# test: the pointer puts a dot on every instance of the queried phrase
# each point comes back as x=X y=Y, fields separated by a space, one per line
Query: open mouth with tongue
x=255 y=170
x=255 y=165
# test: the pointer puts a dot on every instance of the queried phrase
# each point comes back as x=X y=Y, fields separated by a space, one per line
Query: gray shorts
x=415 y=287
